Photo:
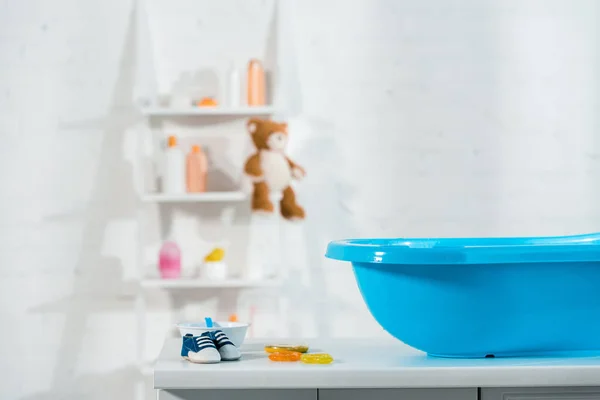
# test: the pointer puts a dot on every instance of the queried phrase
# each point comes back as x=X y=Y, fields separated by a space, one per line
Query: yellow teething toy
x=316 y=358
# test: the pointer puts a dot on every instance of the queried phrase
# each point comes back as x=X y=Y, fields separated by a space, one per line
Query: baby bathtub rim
x=467 y=251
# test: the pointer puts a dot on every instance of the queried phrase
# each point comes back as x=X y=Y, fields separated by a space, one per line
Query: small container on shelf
x=206 y=102
x=214 y=268
x=174 y=176
x=256 y=83
x=169 y=261
x=196 y=170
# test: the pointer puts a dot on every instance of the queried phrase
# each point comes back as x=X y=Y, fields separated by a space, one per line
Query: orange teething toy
x=207 y=102
x=285 y=356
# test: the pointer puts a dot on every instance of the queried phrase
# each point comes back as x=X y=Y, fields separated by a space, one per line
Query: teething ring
x=285 y=356
x=283 y=347
x=316 y=358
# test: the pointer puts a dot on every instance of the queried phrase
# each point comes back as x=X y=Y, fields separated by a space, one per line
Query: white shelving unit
x=200 y=283
x=145 y=95
x=207 y=111
x=232 y=196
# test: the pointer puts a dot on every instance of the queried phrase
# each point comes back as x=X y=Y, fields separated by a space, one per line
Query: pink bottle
x=169 y=261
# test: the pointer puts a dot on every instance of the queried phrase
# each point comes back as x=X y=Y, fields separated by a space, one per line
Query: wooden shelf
x=187 y=283
x=207 y=111
x=194 y=197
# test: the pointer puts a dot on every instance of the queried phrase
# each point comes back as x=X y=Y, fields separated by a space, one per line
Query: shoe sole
x=202 y=362
x=230 y=359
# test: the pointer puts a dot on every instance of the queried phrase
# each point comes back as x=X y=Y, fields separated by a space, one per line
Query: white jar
x=214 y=270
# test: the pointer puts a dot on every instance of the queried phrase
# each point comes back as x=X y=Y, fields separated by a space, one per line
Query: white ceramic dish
x=236 y=331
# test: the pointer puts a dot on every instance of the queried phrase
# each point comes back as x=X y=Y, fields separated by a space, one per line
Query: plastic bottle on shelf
x=214 y=266
x=196 y=170
x=169 y=261
x=215 y=270
x=234 y=87
x=256 y=83
x=174 y=175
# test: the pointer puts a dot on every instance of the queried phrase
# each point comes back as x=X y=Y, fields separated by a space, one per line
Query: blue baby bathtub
x=482 y=297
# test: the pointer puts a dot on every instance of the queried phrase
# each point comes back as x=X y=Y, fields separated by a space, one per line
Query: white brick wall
x=418 y=118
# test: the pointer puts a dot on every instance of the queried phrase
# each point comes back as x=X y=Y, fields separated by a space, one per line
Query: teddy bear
x=270 y=170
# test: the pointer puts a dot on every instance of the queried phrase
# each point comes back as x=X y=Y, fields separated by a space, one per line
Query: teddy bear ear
x=252 y=125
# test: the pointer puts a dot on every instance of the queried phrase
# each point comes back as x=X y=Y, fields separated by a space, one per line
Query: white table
x=374 y=370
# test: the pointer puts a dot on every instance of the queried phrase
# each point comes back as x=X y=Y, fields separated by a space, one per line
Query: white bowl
x=236 y=331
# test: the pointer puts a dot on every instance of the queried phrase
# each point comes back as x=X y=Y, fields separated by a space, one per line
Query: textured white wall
x=418 y=118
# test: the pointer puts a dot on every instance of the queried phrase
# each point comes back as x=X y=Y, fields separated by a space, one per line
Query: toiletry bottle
x=215 y=270
x=196 y=169
x=214 y=266
x=169 y=261
x=234 y=87
x=174 y=175
x=256 y=83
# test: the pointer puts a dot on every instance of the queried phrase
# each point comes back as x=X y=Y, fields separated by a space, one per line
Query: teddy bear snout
x=277 y=141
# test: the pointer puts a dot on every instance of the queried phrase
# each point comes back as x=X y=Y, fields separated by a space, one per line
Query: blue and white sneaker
x=200 y=349
x=225 y=347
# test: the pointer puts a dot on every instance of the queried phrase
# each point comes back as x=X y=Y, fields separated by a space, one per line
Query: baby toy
x=285 y=356
x=271 y=170
x=293 y=356
x=207 y=102
x=284 y=347
x=316 y=358
x=293 y=353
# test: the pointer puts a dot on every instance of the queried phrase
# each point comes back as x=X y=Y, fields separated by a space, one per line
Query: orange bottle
x=196 y=169
x=256 y=83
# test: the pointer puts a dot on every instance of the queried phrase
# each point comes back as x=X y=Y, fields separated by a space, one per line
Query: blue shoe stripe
x=203 y=339
x=205 y=346
x=221 y=339
x=224 y=343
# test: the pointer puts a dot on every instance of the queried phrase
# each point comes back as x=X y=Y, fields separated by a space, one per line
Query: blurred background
x=412 y=118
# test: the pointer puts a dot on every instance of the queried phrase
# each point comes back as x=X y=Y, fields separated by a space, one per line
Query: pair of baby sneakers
x=209 y=348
